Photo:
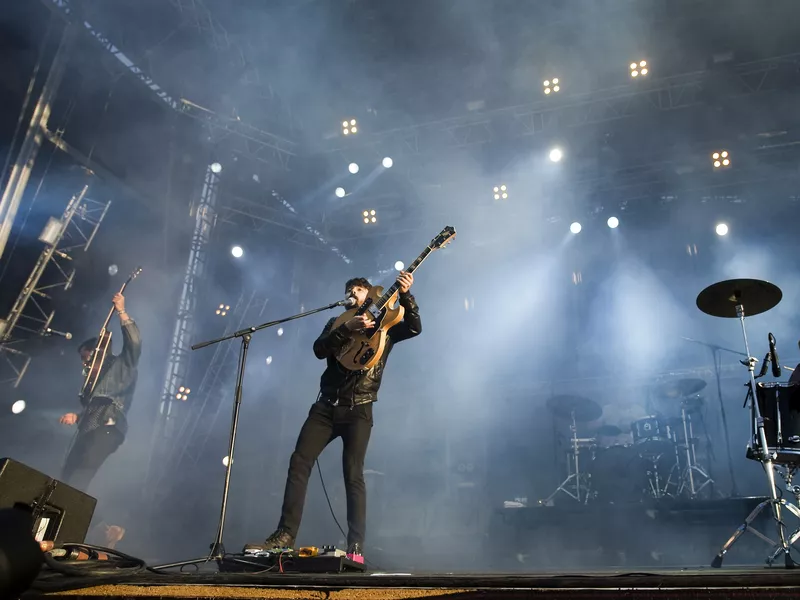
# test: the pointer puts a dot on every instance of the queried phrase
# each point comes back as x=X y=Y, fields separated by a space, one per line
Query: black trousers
x=88 y=453
x=323 y=425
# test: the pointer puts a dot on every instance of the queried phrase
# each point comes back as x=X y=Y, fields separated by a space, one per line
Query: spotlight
x=183 y=393
x=500 y=191
x=556 y=154
x=340 y=192
x=551 y=85
x=18 y=407
x=222 y=310
x=113 y=270
x=721 y=159
x=639 y=68
x=216 y=167
x=721 y=229
x=575 y=227
x=225 y=461
x=369 y=216
x=237 y=252
x=280 y=331
x=613 y=222
x=387 y=162
x=353 y=168
x=399 y=266
x=349 y=127
x=269 y=360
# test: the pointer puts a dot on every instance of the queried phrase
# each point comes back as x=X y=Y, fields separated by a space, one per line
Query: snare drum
x=651 y=434
x=779 y=404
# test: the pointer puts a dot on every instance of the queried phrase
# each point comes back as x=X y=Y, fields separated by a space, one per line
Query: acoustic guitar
x=94 y=366
x=365 y=348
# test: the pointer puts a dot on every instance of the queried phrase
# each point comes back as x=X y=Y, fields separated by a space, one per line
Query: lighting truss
x=64 y=237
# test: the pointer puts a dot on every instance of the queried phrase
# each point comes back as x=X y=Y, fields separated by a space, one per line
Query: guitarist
x=343 y=408
x=102 y=425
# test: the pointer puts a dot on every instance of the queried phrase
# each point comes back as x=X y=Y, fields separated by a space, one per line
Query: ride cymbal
x=565 y=406
x=756 y=296
x=680 y=388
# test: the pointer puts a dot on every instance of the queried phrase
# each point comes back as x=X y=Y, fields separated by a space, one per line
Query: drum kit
x=660 y=458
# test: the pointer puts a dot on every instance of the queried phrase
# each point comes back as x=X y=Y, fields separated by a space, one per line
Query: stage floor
x=734 y=582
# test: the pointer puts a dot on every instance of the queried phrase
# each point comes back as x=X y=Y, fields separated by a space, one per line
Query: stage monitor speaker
x=60 y=513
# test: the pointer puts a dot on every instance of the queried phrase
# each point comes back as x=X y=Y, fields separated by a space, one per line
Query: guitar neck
x=111 y=311
x=387 y=295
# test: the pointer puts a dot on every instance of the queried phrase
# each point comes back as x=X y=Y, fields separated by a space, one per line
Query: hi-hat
x=756 y=296
x=583 y=408
x=680 y=388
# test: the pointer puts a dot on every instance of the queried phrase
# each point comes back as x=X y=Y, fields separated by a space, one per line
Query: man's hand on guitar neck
x=68 y=419
x=119 y=305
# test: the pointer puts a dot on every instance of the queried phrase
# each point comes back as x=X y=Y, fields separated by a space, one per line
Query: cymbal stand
x=571 y=486
x=794 y=489
x=692 y=469
x=765 y=458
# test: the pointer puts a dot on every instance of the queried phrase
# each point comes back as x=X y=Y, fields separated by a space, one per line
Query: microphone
x=347 y=302
x=64 y=334
x=773 y=354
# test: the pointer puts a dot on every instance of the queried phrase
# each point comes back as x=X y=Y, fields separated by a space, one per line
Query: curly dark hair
x=351 y=283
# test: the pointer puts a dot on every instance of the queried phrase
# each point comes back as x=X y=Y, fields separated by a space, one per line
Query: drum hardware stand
x=793 y=489
x=571 y=486
x=766 y=458
x=653 y=479
x=692 y=467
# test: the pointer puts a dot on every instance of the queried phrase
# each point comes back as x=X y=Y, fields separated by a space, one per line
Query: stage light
x=340 y=193
x=721 y=229
x=183 y=393
x=551 y=85
x=225 y=461
x=113 y=270
x=280 y=331
x=353 y=168
x=216 y=168
x=237 y=252
x=387 y=162
x=349 y=127
x=269 y=360
x=613 y=222
x=575 y=227
x=18 y=407
x=556 y=154
x=500 y=191
x=399 y=266
x=370 y=216
x=721 y=159
x=639 y=68
x=222 y=310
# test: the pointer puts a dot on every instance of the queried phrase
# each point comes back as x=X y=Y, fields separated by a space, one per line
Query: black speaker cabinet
x=60 y=512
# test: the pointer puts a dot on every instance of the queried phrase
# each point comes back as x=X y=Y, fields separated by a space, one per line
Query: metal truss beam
x=235 y=210
x=63 y=237
x=547 y=115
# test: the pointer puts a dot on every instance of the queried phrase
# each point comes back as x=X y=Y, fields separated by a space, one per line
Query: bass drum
x=618 y=475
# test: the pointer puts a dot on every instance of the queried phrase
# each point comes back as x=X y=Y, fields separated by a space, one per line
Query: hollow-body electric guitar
x=94 y=366
x=365 y=348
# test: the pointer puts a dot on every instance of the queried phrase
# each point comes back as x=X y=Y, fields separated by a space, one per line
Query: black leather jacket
x=337 y=384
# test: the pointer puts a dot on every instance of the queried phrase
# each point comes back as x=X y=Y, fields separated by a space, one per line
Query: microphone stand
x=217 y=551
x=715 y=355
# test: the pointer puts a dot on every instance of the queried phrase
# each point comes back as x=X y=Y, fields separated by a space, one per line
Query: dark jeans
x=324 y=424
x=88 y=453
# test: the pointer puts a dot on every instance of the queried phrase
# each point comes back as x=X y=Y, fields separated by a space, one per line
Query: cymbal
x=608 y=431
x=680 y=388
x=565 y=406
x=756 y=296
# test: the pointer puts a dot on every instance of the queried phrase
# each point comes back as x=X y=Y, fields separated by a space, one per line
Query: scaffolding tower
x=32 y=313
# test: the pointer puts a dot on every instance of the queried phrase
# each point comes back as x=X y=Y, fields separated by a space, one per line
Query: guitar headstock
x=134 y=275
x=446 y=235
